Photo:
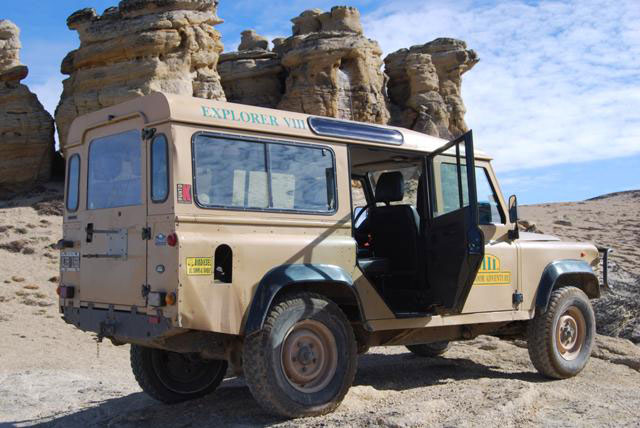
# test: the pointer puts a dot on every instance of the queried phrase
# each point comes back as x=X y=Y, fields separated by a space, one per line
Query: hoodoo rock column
x=26 y=129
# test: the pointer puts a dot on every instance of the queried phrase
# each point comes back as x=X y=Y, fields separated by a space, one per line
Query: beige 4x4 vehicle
x=205 y=233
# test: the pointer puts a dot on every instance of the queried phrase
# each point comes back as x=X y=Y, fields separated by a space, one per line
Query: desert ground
x=54 y=375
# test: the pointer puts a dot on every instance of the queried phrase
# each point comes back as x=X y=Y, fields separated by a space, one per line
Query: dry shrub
x=17 y=278
x=31 y=287
x=14 y=246
x=51 y=206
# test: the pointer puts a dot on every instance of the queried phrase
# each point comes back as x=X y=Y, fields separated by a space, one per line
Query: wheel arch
x=560 y=273
x=328 y=280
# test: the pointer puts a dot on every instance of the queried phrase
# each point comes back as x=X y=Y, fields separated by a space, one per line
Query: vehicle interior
x=401 y=236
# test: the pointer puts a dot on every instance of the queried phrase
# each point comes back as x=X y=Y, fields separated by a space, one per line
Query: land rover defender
x=207 y=234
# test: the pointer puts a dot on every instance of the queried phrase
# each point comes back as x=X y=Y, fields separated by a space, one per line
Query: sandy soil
x=55 y=375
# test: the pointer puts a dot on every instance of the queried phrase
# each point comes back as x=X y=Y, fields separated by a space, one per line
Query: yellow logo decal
x=490 y=273
x=199 y=266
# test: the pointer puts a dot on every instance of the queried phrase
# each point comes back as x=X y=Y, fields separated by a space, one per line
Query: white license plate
x=70 y=262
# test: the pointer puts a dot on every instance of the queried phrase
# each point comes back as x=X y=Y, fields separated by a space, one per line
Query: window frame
x=142 y=178
x=151 y=171
x=264 y=142
x=66 y=204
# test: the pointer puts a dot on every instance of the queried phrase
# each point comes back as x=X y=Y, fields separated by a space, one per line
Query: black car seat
x=394 y=231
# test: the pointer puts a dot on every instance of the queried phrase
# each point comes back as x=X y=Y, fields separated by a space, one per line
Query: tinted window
x=235 y=174
x=487 y=199
x=73 y=183
x=230 y=173
x=159 y=169
x=451 y=188
x=301 y=178
x=114 y=171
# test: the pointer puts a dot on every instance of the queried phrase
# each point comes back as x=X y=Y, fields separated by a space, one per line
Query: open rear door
x=455 y=243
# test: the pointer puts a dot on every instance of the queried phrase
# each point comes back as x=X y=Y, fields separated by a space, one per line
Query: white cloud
x=557 y=82
x=48 y=93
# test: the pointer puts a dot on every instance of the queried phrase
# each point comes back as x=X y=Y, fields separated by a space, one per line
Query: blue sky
x=555 y=98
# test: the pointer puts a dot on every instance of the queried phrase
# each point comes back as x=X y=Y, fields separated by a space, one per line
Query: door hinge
x=518 y=298
x=146 y=289
x=146 y=233
x=148 y=133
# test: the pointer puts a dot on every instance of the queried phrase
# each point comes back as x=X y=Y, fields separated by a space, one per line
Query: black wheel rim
x=185 y=373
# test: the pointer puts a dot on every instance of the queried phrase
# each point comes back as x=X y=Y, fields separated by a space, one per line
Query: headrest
x=390 y=187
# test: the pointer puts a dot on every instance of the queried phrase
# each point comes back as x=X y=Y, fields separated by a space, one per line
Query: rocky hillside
x=55 y=375
x=610 y=221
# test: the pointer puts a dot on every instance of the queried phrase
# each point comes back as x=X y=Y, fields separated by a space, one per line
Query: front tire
x=434 y=349
x=171 y=377
x=303 y=361
x=561 y=338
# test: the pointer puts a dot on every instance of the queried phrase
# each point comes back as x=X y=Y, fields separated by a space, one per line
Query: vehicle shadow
x=233 y=405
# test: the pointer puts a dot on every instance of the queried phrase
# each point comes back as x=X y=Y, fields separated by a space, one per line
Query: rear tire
x=171 y=377
x=561 y=338
x=434 y=349
x=303 y=361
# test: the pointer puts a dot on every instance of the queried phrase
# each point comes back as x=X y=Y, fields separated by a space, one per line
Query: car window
x=159 y=169
x=255 y=175
x=230 y=173
x=115 y=171
x=73 y=183
x=450 y=188
x=488 y=206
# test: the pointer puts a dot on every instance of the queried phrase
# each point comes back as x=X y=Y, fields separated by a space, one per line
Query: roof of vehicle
x=161 y=107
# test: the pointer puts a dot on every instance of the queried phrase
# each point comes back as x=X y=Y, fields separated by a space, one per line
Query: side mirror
x=359 y=215
x=513 y=217
x=513 y=209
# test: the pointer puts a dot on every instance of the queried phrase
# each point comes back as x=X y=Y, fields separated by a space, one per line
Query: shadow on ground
x=232 y=403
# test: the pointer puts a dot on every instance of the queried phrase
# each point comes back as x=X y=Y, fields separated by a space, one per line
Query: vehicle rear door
x=454 y=242
x=113 y=248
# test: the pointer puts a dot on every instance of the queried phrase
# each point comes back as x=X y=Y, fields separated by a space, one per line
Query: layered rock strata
x=26 y=129
x=424 y=86
x=137 y=48
x=253 y=75
x=332 y=69
x=327 y=67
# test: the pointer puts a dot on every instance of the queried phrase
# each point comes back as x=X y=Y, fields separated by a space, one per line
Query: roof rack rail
x=357 y=131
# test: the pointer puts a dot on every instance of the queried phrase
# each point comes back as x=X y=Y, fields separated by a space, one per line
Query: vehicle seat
x=394 y=230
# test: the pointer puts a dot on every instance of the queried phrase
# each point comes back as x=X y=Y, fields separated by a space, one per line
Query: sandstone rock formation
x=26 y=129
x=253 y=75
x=425 y=86
x=136 y=48
x=333 y=70
x=327 y=67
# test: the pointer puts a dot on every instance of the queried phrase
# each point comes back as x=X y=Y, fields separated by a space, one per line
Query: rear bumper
x=125 y=327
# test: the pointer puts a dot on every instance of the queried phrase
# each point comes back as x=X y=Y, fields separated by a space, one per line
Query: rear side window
x=115 y=171
x=73 y=183
x=240 y=174
x=159 y=169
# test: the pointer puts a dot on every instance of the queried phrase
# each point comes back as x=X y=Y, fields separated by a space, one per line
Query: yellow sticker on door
x=199 y=266
x=490 y=273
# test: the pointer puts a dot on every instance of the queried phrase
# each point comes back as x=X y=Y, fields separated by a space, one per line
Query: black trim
x=166 y=149
x=579 y=270
x=281 y=276
x=356 y=131
x=76 y=155
x=264 y=141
